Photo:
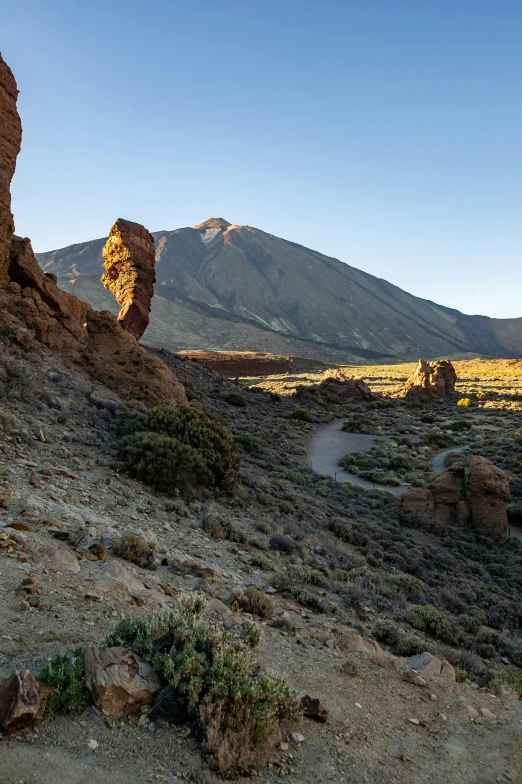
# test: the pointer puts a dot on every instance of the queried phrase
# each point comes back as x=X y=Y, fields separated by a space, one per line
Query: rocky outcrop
x=431 y=381
x=35 y=312
x=472 y=494
x=121 y=683
x=19 y=701
x=10 y=141
x=335 y=387
x=129 y=256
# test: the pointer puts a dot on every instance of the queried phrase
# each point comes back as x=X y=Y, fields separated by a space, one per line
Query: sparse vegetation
x=240 y=708
x=66 y=675
x=236 y=400
x=135 y=548
x=302 y=415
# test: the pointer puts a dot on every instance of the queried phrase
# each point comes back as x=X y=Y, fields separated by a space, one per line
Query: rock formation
x=472 y=494
x=129 y=255
x=431 y=381
x=19 y=701
x=36 y=312
x=335 y=387
x=10 y=141
x=121 y=683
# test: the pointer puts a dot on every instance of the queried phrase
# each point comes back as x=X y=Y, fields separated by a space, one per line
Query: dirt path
x=330 y=442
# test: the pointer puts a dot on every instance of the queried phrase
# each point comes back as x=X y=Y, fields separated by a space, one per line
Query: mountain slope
x=222 y=286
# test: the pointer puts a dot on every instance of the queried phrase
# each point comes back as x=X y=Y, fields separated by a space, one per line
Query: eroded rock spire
x=129 y=256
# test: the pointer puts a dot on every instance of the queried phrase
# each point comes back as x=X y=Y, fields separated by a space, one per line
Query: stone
x=121 y=683
x=426 y=665
x=336 y=386
x=487 y=714
x=472 y=493
x=19 y=701
x=431 y=381
x=472 y=712
x=10 y=141
x=129 y=258
x=296 y=737
x=313 y=708
x=412 y=676
x=354 y=643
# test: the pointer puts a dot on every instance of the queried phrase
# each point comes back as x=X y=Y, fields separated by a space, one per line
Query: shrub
x=263 y=526
x=302 y=415
x=410 y=646
x=241 y=709
x=177 y=446
x=190 y=394
x=255 y=601
x=134 y=548
x=263 y=562
x=216 y=525
x=351 y=667
x=487 y=651
x=460 y=424
x=467 y=402
x=66 y=675
x=251 y=444
x=283 y=543
x=512 y=678
x=236 y=400
x=429 y=619
x=436 y=438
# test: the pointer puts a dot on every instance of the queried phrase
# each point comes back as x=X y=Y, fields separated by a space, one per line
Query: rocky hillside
x=228 y=287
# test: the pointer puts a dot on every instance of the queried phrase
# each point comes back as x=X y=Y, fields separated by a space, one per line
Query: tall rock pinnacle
x=129 y=255
x=10 y=141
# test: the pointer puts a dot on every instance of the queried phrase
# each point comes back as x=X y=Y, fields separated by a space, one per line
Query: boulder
x=472 y=493
x=10 y=141
x=426 y=665
x=354 y=643
x=313 y=708
x=335 y=387
x=121 y=683
x=129 y=257
x=431 y=381
x=19 y=701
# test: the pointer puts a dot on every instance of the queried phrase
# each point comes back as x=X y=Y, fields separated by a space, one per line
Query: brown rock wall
x=10 y=141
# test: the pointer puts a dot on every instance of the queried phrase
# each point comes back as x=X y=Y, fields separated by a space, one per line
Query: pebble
x=414 y=721
x=93 y=744
x=296 y=737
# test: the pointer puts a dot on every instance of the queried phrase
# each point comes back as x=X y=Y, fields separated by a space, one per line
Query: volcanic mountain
x=227 y=287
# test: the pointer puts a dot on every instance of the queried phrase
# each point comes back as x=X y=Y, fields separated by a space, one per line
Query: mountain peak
x=213 y=223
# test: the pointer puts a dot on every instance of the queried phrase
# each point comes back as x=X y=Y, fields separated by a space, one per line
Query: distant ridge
x=221 y=286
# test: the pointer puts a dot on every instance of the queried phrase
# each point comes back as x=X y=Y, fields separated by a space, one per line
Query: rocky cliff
x=35 y=312
x=10 y=141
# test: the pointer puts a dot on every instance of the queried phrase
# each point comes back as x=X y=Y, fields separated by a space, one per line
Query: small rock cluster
x=430 y=381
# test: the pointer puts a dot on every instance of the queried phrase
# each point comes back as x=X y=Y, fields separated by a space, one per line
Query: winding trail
x=330 y=442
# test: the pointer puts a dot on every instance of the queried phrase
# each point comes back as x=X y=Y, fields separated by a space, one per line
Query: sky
x=385 y=133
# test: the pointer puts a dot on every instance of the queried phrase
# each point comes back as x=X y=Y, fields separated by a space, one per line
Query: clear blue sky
x=385 y=133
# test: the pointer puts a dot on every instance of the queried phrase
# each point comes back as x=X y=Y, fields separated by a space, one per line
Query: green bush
x=255 y=601
x=426 y=618
x=134 y=548
x=512 y=679
x=190 y=394
x=302 y=415
x=467 y=402
x=177 y=447
x=236 y=400
x=410 y=646
x=262 y=562
x=460 y=424
x=436 y=438
x=66 y=675
x=487 y=651
x=241 y=709
x=251 y=444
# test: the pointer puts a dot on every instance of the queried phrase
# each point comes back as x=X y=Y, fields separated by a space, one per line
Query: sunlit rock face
x=129 y=258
